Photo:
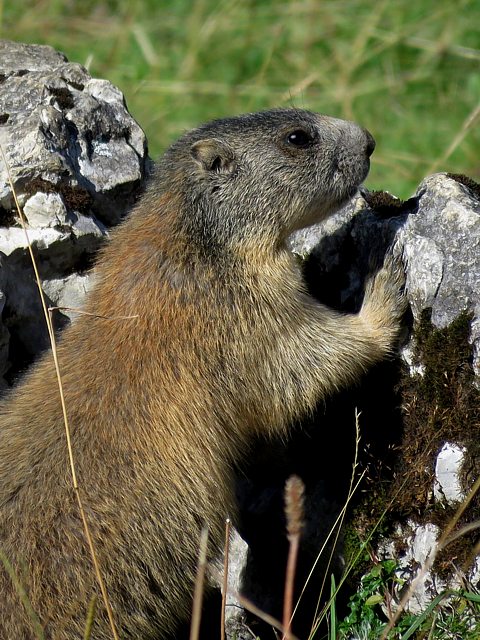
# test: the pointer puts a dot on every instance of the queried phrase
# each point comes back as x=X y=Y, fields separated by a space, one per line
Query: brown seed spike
x=294 y=505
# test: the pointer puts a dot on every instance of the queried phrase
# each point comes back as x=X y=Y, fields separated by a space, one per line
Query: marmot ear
x=214 y=155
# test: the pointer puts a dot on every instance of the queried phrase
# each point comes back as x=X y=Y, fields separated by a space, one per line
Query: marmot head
x=255 y=178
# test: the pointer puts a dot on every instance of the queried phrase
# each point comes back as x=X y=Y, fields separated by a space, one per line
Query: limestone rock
x=69 y=293
x=77 y=161
x=65 y=132
x=448 y=468
x=419 y=546
x=441 y=246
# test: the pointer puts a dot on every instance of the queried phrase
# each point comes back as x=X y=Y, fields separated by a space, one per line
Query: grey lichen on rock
x=441 y=245
x=77 y=161
x=66 y=132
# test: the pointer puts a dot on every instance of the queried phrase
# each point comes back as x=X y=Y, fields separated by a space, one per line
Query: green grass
x=408 y=71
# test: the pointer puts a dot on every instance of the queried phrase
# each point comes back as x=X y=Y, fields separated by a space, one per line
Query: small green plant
x=452 y=615
x=366 y=618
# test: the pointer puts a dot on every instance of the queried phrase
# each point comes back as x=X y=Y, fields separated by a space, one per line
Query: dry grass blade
x=273 y=622
x=145 y=44
x=456 y=50
x=51 y=334
x=199 y=584
x=225 y=578
x=252 y=608
x=294 y=511
x=93 y=315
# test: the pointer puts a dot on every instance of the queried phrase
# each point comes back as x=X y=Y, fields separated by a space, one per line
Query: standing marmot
x=227 y=343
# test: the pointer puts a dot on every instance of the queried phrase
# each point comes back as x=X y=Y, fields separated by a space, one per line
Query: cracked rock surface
x=77 y=160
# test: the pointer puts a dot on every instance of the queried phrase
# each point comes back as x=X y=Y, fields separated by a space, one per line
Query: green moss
x=443 y=403
x=440 y=404
x=447 y=359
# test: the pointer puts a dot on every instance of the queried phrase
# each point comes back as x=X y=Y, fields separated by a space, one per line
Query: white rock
x=424 y=541
x=88 y=226
x=45 y=210
x=448 y=466
x=237 y=560
x=425 y=260
x=419 y=547
x=407 y=354
x=13 y=238
x=104 y=91
x=302 y=242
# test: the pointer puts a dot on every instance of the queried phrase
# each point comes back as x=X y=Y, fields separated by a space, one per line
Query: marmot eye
x=299 y=138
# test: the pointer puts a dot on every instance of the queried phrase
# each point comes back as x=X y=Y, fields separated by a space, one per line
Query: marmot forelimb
x=227 y=343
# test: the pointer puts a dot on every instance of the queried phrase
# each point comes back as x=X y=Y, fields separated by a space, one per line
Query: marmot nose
x=370 y=143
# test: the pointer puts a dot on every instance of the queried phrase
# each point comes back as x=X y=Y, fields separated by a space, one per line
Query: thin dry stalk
x=471 y=559
x=249 y=606
x=93 y=315
x=51 y=334
x=337 y=527
x=199 y=584
x=299 y=87
x=146 y=46
x=225 y=578
x=452 y=49
x=294 y=511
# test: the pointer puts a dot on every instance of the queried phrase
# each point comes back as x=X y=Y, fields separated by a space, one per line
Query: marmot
x=226 y=343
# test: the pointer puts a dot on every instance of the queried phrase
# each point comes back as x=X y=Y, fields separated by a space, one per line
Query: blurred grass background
x=408 y=70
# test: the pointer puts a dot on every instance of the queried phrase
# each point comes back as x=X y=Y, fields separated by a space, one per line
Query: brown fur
x=227 y=344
